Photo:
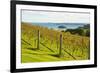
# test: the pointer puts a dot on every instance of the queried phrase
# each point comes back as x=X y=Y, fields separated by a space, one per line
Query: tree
x=88 y=33
x=61 y=27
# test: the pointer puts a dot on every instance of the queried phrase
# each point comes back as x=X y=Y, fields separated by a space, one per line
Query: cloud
x=57 y=17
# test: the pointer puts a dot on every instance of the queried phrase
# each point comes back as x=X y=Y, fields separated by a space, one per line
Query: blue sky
x=54 y=17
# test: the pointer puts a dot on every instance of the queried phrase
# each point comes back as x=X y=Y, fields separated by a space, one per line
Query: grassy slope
x=75 y=47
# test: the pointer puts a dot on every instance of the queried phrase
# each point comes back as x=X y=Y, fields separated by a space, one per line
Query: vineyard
x=40 y=44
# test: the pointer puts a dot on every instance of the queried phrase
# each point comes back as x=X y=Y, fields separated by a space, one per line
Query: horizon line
x=53 y=22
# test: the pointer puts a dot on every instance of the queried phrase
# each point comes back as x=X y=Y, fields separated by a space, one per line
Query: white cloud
x=57 y=17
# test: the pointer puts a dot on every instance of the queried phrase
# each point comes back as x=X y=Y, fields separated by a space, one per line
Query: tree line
x=83 y=31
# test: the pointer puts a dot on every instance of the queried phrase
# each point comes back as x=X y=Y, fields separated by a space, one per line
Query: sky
x=54 y=17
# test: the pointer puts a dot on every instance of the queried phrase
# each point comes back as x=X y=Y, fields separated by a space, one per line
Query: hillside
x=51 y=44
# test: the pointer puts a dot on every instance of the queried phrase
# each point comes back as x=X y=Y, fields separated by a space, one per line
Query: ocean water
x=56 y=25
